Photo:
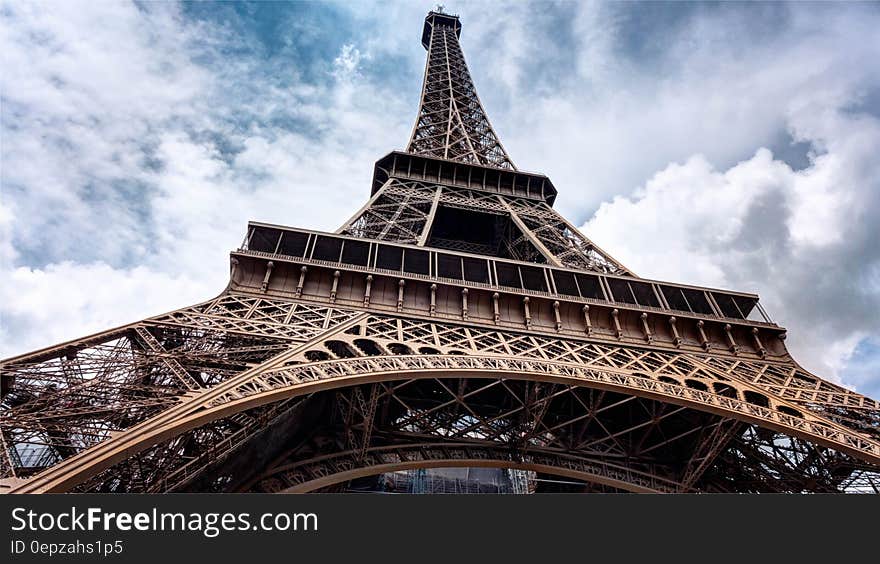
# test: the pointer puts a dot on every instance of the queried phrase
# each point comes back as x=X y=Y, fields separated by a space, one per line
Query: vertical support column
x=556 y=316
x=618 y=332
x=368 y=289
x=400 y=287
x=433 y=309
x=496 y=314
x=704 y=341
x=269 y=266
x=759 y=346
x=676 y=339
x=464 y=303
x=302 y=281
x=731 y=342
x=335 y=286
x=588 y=325
x=527 y=312
x=649 y=337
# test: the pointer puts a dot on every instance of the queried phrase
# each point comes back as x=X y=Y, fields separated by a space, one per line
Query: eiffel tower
x=455 y=321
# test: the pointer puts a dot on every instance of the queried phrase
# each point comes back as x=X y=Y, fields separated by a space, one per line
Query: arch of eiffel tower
x=455 y=321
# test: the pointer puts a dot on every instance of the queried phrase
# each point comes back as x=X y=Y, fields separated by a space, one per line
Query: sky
x=732 y=145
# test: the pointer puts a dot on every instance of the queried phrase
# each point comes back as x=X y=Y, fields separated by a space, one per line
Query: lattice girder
x=612 y=430
x=59 y=401
x=452 y=123
x=375 y=348
x=313 y=474
x=403 y=211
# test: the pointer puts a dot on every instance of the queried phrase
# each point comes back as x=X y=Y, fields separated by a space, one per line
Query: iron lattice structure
x=456 y=320
x=452 y=123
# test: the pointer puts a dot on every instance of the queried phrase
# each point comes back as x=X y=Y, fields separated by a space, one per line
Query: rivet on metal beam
x=759 y=346
x=400 y=286
x=704 y=341
x=676 y=338
x=464 y=303
x=368 y=289
x=496 y=314
x=614 y=318
x=335 y=287
x=588 y=326
x=433 y=299
x=731 y=343
x=527 y=312
x=556 y=315
x=269 y=266
x=649 y=337
x=302 y=281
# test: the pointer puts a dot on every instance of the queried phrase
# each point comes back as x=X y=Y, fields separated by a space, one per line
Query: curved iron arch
x=258 y=387
x=378 y=460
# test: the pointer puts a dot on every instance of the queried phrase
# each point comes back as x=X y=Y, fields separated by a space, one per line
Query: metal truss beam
x=626 y=371
x=452 y=123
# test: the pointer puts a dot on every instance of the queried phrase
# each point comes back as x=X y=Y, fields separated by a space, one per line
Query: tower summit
x=455 y=320
x=440 y=18
x=452 y=123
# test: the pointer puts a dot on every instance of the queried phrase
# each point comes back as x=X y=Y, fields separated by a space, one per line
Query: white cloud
x=803 y=239
x=114 y=170
x=346 y=64
x=602 y=103
x=83 y=89
x=64 y=301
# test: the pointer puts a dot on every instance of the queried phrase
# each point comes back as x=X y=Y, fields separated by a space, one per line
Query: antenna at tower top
x=440 y=9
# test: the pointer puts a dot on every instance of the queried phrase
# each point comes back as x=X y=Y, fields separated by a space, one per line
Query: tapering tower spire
x=452 y=123
x=456 y=188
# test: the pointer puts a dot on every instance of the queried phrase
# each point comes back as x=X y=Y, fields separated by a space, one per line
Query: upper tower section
x=452 y=123
x=439 y=18
x=455 y=188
